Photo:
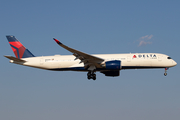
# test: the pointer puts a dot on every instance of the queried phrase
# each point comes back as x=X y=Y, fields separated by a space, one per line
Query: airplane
x=108 y=64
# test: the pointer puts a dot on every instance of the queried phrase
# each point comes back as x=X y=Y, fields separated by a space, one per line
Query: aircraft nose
x=174 y=63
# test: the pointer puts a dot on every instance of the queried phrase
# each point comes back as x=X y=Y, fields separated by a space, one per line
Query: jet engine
x=112 y=65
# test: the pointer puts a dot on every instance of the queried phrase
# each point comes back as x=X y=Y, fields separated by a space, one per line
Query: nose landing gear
x=166 y=71
x=91 y=75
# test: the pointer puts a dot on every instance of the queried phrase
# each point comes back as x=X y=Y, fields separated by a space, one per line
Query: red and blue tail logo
x=19 y=50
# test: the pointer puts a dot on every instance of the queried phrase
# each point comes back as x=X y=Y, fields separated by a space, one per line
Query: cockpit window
x=169 y=58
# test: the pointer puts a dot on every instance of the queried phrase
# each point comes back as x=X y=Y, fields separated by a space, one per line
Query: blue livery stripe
x=11 y=38
x=16 y=50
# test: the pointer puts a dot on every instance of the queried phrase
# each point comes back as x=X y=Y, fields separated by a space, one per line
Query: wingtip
x=57 y=41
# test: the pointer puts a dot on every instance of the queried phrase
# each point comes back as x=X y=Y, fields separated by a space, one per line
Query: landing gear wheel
x=91 y=75
x=94 y=76
x=165 y=74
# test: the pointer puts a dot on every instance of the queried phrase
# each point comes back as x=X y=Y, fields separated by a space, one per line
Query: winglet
x=57 y=41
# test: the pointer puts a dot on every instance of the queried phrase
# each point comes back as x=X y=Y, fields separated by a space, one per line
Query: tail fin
x=19 y=50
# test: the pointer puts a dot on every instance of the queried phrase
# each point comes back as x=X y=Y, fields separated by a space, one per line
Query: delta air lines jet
x=108 y=64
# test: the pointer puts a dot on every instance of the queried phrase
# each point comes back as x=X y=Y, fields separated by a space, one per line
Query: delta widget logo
x=145 y=56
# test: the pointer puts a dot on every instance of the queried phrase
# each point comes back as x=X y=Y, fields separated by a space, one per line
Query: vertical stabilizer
x=19 y=50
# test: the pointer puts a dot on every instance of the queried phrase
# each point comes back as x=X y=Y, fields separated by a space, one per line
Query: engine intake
x=112 y=65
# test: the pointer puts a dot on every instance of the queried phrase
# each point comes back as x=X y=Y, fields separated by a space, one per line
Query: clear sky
x=91 y=26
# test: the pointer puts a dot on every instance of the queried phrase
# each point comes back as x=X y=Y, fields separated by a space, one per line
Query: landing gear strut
x=166 y=71
x=92 y=75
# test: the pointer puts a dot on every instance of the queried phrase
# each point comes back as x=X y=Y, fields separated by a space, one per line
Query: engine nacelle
x=112 y=73
x=112 y=65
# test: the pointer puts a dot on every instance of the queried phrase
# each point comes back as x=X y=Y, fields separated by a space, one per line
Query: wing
x=89 y=61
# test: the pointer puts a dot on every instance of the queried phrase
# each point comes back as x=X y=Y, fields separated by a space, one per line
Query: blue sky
x=100 y=27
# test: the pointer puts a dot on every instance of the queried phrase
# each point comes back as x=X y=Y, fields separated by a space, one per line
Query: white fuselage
x=128 y=61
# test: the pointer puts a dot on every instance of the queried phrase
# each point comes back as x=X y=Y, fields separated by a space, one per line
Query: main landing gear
x=91 y=75
x=166 y=71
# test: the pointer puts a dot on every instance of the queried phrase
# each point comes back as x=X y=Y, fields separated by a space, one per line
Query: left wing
x=88 y=60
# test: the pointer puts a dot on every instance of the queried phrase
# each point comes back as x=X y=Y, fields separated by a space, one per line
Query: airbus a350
x=108 y=64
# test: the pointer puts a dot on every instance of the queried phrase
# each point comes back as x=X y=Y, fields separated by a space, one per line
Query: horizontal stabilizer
x=14 y=59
